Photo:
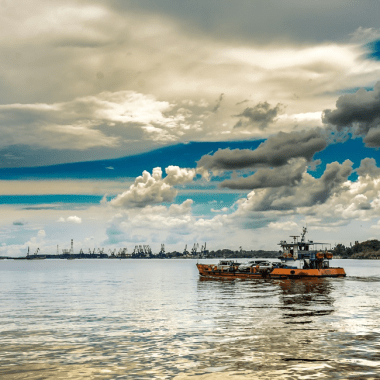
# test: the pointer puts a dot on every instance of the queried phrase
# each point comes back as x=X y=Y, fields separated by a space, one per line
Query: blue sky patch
x=374 y=48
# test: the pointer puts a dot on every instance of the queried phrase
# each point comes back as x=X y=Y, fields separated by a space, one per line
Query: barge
x=299 y=259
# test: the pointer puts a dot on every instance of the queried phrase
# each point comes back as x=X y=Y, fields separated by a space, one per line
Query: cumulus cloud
x=176 y=175
x=368 y=168
x=276 y=151
x=71 y=219
x=309 y=192
x=327 y=202
x=376 y=226
x=41 y=233
x=261 y=115
x=152 y=189
x=153 y=223
x=287 y=226
x=358 y=199
x=360 y=112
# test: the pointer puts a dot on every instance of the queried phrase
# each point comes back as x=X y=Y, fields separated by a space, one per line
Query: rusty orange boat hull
x=211 y=271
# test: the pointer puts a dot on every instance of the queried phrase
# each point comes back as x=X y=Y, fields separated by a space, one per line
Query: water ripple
x=157 y=319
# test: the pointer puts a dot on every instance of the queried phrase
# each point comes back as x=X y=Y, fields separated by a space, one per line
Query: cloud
x=287 y=226
x=358 y=199
x=287 y=175
x=71 y=219
x=372 y=139
x=41 y=234
x=68 y=96
x=368 y=168
x=218 y=103
x=152 y=189
x=64 y=186
x=261 y=115
x=89 y=121
x=176 y=175
x=376 y=226
x=360 y=112
x=276 y=151
x=151 y=223
x=309 y=192
x=18 y=223
x=327 y=202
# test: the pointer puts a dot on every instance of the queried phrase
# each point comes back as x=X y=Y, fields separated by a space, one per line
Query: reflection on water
x=137 y=319
x=306 y=299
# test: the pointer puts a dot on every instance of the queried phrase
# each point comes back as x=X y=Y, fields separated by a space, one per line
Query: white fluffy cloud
x=287 y=226
x=326 y=202
x=358 y=199
x=41 y=233
x=152 y=189
x=71 y=219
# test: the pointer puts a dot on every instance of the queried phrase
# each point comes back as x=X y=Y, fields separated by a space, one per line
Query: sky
x=181 y=122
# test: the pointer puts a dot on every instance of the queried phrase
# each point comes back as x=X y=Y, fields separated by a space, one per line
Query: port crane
x=162 y=251
x=204 y=251
x=122 y=252
x=194 y=249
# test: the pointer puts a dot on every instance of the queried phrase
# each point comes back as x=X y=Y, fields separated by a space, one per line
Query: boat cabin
x=302 y=254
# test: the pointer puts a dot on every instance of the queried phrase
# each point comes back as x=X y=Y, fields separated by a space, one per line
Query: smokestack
x=72 y=247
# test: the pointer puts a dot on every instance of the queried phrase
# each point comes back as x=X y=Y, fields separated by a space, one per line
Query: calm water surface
x=156 y=319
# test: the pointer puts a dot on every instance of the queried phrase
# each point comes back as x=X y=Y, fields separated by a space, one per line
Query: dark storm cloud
x=372 y=139
x=310 y=192
x=261 y=115
x=274 y=152
x=360 y=112
x=288 y=175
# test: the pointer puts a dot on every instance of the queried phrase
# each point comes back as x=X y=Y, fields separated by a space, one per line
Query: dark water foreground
x=155 y=319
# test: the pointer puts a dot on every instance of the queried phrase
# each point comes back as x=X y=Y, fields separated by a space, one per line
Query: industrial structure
x=139 y=251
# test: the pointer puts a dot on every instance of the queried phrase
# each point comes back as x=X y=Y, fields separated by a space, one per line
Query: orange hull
x=211 y=271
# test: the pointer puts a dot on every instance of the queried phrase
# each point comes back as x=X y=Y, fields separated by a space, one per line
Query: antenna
x=304 y=230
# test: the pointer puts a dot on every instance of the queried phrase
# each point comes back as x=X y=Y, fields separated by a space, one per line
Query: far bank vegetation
x=369 y=249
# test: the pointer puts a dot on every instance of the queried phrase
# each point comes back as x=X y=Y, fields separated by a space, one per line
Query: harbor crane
x=122 y=252
x=162 y=251
x=204 y=251
x=194 y=249
x=147 y=251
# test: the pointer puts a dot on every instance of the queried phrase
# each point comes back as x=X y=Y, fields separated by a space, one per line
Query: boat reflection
x=306 y=298
x=268 y=325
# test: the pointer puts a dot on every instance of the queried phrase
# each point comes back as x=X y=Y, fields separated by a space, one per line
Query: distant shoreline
x=174 y=255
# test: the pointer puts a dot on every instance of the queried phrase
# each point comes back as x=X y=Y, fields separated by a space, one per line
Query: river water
x=156 y=319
